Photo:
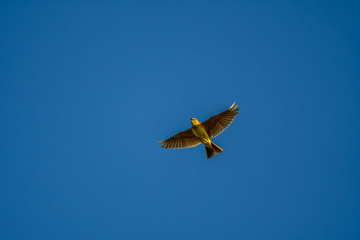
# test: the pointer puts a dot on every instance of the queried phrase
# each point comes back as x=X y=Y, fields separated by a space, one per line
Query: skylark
x=203 y=132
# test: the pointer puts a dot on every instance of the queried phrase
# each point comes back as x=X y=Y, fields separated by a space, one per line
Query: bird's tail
x=211 y=151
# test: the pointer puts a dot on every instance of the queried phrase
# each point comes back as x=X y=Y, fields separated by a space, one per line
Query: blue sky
x=87 y=90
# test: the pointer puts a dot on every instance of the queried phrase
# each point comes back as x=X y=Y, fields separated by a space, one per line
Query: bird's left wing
x=218 y=123
x=184 y=139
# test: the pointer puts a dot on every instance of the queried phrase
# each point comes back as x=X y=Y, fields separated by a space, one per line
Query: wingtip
x=234 y=107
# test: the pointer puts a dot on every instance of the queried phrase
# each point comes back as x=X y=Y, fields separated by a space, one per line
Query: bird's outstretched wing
x=218 y=123
x=184 y=139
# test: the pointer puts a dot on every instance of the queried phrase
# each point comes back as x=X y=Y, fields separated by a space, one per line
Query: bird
x=203 y=132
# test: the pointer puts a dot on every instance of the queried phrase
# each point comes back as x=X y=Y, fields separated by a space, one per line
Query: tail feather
x=209 y=152
x=216 y=148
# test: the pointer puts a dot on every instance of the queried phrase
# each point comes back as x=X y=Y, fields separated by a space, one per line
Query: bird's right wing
x=218 y=123
x=184 y=139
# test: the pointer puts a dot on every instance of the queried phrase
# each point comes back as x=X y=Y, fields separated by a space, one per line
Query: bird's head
x=194 y=121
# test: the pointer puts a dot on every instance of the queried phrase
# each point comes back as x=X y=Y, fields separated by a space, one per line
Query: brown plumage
x=202 y=132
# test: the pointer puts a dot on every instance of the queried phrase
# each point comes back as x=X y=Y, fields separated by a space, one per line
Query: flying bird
x=203 y=132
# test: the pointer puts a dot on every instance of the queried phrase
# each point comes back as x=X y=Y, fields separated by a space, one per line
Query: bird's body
x=199 y=131
x=202 y=132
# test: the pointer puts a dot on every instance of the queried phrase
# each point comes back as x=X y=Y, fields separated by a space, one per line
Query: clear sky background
x=87 y=90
